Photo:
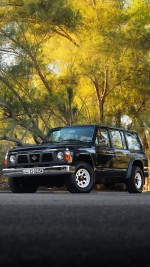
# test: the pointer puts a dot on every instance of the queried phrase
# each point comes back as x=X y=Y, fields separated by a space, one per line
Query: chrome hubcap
x=138 y=180
x=82 y=178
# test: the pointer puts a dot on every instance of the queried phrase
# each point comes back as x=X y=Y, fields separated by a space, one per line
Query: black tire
x=136 y=182
x=83 y=180
x=17 y=185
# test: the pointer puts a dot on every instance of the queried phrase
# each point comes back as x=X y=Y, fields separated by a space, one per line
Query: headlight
x=60 y=155
x=12 y=159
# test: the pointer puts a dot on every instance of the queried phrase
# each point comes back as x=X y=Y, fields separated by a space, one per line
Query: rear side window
x=133 y=142
x=117 y=139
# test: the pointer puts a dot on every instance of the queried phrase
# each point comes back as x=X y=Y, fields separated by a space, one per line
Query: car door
x=105 y=162
x=121 y=153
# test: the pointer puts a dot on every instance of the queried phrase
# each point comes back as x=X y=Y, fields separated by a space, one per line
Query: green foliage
x=67 y=62
x=67 y=110
x=50 y=10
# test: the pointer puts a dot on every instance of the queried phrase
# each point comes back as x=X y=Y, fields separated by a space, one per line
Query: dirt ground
x=117 y=187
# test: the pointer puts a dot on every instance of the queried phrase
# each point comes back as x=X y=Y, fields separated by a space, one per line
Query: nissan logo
x=34 y=157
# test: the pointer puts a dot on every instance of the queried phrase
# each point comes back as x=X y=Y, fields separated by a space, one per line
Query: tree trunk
x=118 y=118
x=102 y=111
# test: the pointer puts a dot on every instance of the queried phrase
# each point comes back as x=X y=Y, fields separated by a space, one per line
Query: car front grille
x=22 y=159
x=35 y=158
x=47 y=157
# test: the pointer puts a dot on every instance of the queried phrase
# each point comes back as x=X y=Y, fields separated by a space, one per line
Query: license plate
x=33 y=171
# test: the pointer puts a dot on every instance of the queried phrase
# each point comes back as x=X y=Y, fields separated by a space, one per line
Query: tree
x=26 y=79
x=71 y=62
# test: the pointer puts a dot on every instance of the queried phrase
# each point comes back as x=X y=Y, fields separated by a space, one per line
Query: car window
x=102 y=138
x=133 y=142
x=74 y=133
x=117 y=139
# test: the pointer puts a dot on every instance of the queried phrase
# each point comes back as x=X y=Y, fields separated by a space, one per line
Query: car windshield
x=68 y=134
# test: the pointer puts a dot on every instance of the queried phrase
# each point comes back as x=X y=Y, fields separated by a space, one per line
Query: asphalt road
x=63 y=229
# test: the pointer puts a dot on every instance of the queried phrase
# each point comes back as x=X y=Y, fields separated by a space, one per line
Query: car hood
x=69 y=145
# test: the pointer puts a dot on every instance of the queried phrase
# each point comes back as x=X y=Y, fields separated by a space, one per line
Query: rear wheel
x=82 y=181
x=136 y=182
x=18 y=185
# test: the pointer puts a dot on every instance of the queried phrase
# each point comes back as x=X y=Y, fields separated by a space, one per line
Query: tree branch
x=12 y=139
x=28 y=52
x=64 y=34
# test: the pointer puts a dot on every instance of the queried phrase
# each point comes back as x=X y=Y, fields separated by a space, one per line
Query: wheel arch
x=134 y=162
x=85 y=158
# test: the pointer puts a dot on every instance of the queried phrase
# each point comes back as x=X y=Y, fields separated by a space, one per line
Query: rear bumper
x=39 y=171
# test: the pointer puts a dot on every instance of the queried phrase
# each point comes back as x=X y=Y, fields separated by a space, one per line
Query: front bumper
x=39 y=171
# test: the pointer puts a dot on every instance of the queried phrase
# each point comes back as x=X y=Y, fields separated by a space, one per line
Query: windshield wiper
x=51 y=142
x=65 y=141
x=73 y=140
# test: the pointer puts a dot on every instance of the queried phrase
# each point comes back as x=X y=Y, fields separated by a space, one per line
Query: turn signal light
x=68 y=156
x=6 y=160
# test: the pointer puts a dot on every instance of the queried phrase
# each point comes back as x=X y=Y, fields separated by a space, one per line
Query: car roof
x=96 y=125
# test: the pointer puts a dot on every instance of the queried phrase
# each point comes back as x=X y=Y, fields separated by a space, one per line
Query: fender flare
x=131 y=163
x=85 y=156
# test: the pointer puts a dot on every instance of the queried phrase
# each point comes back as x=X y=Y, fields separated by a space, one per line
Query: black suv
x=79 y=157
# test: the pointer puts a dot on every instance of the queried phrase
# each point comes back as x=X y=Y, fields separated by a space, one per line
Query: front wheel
x=136 y=182
x=18 y=185
x=82 y=181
